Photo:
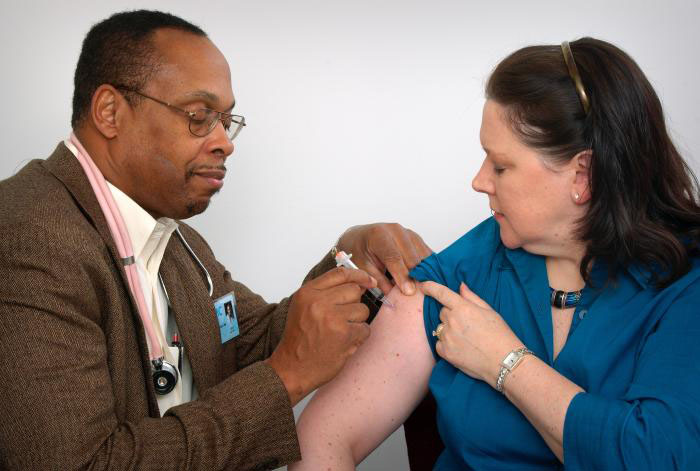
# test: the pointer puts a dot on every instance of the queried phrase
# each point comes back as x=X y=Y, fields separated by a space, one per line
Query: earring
x=576 y=196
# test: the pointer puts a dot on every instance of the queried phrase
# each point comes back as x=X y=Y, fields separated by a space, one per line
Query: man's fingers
x=421 y=249
x=359 y=332
x=407 y=248
x=405 y=255
x=469 y=295
x=347 y=293
x=441 y=293
x=391 y=248
x=399 y=272
x=383 y=283
x=357 y=312
x=380 y=247
x=342 y=275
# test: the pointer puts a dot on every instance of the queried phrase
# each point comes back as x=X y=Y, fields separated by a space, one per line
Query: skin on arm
x=543 y=396
x=374 y=393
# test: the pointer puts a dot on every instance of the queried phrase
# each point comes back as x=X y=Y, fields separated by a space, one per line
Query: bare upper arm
x=374 y=393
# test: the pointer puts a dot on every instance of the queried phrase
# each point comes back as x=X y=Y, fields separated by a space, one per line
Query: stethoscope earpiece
x=165 y=376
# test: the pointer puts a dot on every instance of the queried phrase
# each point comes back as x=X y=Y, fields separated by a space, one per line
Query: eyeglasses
x=202 y=121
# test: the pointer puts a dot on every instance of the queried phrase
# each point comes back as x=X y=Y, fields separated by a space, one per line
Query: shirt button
x=582 y=313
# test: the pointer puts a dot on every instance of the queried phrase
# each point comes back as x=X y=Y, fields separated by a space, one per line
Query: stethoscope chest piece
x=165 y=376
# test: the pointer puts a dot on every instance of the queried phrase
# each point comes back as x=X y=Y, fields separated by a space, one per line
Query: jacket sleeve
x=656 y=425
x=59 y=380
x=261 y=323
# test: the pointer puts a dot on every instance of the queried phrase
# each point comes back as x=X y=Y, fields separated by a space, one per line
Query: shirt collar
x=643 y=276
x=145 y=232
x=599 y=271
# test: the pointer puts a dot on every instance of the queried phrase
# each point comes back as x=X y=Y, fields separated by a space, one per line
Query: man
x=79 y=338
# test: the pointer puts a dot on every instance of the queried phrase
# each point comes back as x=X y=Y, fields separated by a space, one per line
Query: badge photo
x=225 y=308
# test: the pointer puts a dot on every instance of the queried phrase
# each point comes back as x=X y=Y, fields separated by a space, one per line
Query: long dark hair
x=644 y=206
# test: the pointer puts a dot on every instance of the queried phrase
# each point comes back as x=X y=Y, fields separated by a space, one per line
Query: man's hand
x=325 y=325
x=376 y=248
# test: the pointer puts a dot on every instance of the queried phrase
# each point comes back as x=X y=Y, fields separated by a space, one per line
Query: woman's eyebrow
x=492 y=153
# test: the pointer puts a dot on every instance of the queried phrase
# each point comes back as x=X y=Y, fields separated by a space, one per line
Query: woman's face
x=533 y=204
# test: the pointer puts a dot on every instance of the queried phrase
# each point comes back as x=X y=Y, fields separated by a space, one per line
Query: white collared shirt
x=149 y=238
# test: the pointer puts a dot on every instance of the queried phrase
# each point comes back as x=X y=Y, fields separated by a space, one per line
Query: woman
x=564 y=329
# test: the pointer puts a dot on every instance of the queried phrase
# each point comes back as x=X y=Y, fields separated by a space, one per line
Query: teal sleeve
x=656 y=424
x=469 y=259
x=430 y=270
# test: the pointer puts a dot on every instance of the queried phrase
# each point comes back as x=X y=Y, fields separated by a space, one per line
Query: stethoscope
x=164 y=374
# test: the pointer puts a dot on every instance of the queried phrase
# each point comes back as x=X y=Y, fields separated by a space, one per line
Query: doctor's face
x=173 y=172
x=531 y=201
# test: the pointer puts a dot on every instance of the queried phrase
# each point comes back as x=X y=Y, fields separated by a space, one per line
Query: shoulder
x=195 y=239
x=33 y=192
x=683 y=293
x=468 y=259
x=220 y=275
x=200 y=247
x=38 y=213
x=53 y=261
x=46 y=238
x=672 y=308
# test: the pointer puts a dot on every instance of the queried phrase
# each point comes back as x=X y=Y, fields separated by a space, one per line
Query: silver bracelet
x=509 y=363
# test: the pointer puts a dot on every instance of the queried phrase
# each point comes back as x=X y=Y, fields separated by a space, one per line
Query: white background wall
x=358 y=111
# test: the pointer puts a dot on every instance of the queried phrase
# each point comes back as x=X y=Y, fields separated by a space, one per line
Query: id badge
x=225 y=308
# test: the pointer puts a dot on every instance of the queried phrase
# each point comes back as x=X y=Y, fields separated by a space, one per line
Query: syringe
x=343 y=260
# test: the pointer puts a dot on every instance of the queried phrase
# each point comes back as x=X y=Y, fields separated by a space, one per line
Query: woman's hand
x=474 y=337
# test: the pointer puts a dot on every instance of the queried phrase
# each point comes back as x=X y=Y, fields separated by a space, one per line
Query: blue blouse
x=633 y=349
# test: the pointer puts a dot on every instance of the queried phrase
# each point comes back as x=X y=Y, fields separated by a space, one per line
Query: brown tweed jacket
x=75 y=388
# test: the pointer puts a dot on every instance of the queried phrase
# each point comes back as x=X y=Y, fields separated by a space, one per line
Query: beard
x=196 y=207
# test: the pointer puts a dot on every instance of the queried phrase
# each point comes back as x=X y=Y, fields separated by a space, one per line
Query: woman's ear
x=581 y=189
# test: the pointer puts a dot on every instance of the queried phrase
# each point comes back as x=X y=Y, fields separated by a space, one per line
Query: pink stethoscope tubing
x=121 y=240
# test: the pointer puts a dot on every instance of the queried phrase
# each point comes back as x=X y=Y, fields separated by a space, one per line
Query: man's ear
x=581 y=188
x=105 y=109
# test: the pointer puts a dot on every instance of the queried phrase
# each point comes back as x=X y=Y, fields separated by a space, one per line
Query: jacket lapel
x=194 y=313
x=66 y=168
x=189 y=299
